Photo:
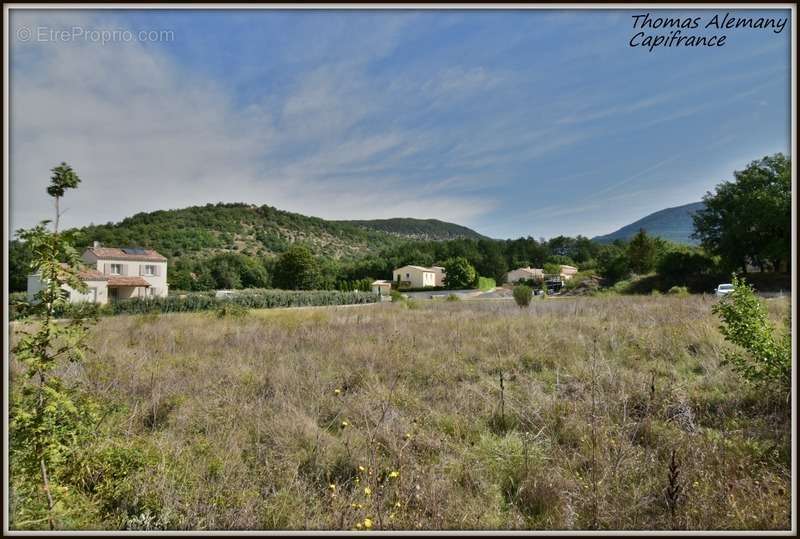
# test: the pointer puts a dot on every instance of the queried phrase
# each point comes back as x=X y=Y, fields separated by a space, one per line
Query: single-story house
x=524 y=274
x=414 y=277
x=567 y=272
x=381 y=287
x=111 y=273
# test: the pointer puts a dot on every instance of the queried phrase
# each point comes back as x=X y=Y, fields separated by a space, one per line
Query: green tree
x=63 y=178
x=47 y=418
x=225 y=272
x=678 y=266
x=551 y=269
x=297 y=269
x=749 y=219
x=643 y=252
x=459 y=273
x=745 y=323
x=612 y=261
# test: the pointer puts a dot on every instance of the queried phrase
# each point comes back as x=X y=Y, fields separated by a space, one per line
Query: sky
x=514 y=123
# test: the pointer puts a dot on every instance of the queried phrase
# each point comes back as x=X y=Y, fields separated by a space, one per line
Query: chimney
x=95 y=244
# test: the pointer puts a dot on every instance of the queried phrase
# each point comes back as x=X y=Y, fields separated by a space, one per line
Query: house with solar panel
x=112 y=274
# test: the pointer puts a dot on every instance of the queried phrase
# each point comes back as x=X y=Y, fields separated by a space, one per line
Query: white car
x=723 y=289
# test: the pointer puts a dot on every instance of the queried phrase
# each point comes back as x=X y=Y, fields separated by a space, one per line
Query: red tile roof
x=88 y=274
x=126 y=281
x=113 y=253
x=91 y=275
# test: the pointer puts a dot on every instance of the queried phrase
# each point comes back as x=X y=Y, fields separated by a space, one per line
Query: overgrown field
x=393 y=416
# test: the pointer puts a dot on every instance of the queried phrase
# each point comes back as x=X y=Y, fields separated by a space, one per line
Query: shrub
x=745 y=323
x=522 y=295
x=203 y=301
x=678 y=291
x=486 y=283
x=453 y=297
x=229 y=309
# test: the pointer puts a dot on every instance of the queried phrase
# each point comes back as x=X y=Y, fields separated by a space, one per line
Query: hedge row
x=251 y=299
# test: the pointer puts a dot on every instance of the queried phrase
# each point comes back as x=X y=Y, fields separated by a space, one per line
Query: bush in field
x=453 y=297
x=230 y=309
x=768 y=358
x=523 y=295
x=678 y=291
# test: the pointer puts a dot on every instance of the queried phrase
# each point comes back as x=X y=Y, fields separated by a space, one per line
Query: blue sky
x=515 y=123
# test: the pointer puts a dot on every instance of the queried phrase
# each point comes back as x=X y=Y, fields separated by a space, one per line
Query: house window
x=116 y=269
x=408 y=276
x=150 y=270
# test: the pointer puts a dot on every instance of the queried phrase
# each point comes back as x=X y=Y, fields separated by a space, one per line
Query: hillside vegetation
x=261 y=230
x=420 y=229
x=589 y=413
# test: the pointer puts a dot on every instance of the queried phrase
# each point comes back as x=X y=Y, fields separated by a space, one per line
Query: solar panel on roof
x=134 y=250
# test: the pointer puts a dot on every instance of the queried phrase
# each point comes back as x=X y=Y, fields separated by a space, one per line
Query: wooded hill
x=262 y=231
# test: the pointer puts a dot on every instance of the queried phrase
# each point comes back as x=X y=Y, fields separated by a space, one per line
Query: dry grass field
x=393 y=416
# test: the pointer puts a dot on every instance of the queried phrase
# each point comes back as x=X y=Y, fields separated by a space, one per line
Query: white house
x=112 y=274
x=414 y=276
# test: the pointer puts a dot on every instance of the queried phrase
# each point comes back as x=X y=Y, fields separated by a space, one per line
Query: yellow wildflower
x=358 y=525
x=332 y=486
x=344 y=424
x=337 y=391
x=408 y=435
x=368 y=523
x=361 y=469
x=398 y=504
x=367 y=491
x=394 y=474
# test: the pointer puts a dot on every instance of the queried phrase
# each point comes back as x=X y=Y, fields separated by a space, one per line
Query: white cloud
x=145 y=134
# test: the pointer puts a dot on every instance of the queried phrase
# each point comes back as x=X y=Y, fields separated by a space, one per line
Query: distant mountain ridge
x=419 y=229
x=673 y=224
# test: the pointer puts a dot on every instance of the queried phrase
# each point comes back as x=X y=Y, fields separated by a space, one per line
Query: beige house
x=112 y=274
x=524 y=274
x=567 y=272
x=414 y=277
x=438 y=272
x=382 y=288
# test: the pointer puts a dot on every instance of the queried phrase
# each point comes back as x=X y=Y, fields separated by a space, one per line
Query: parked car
x=723 y=289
